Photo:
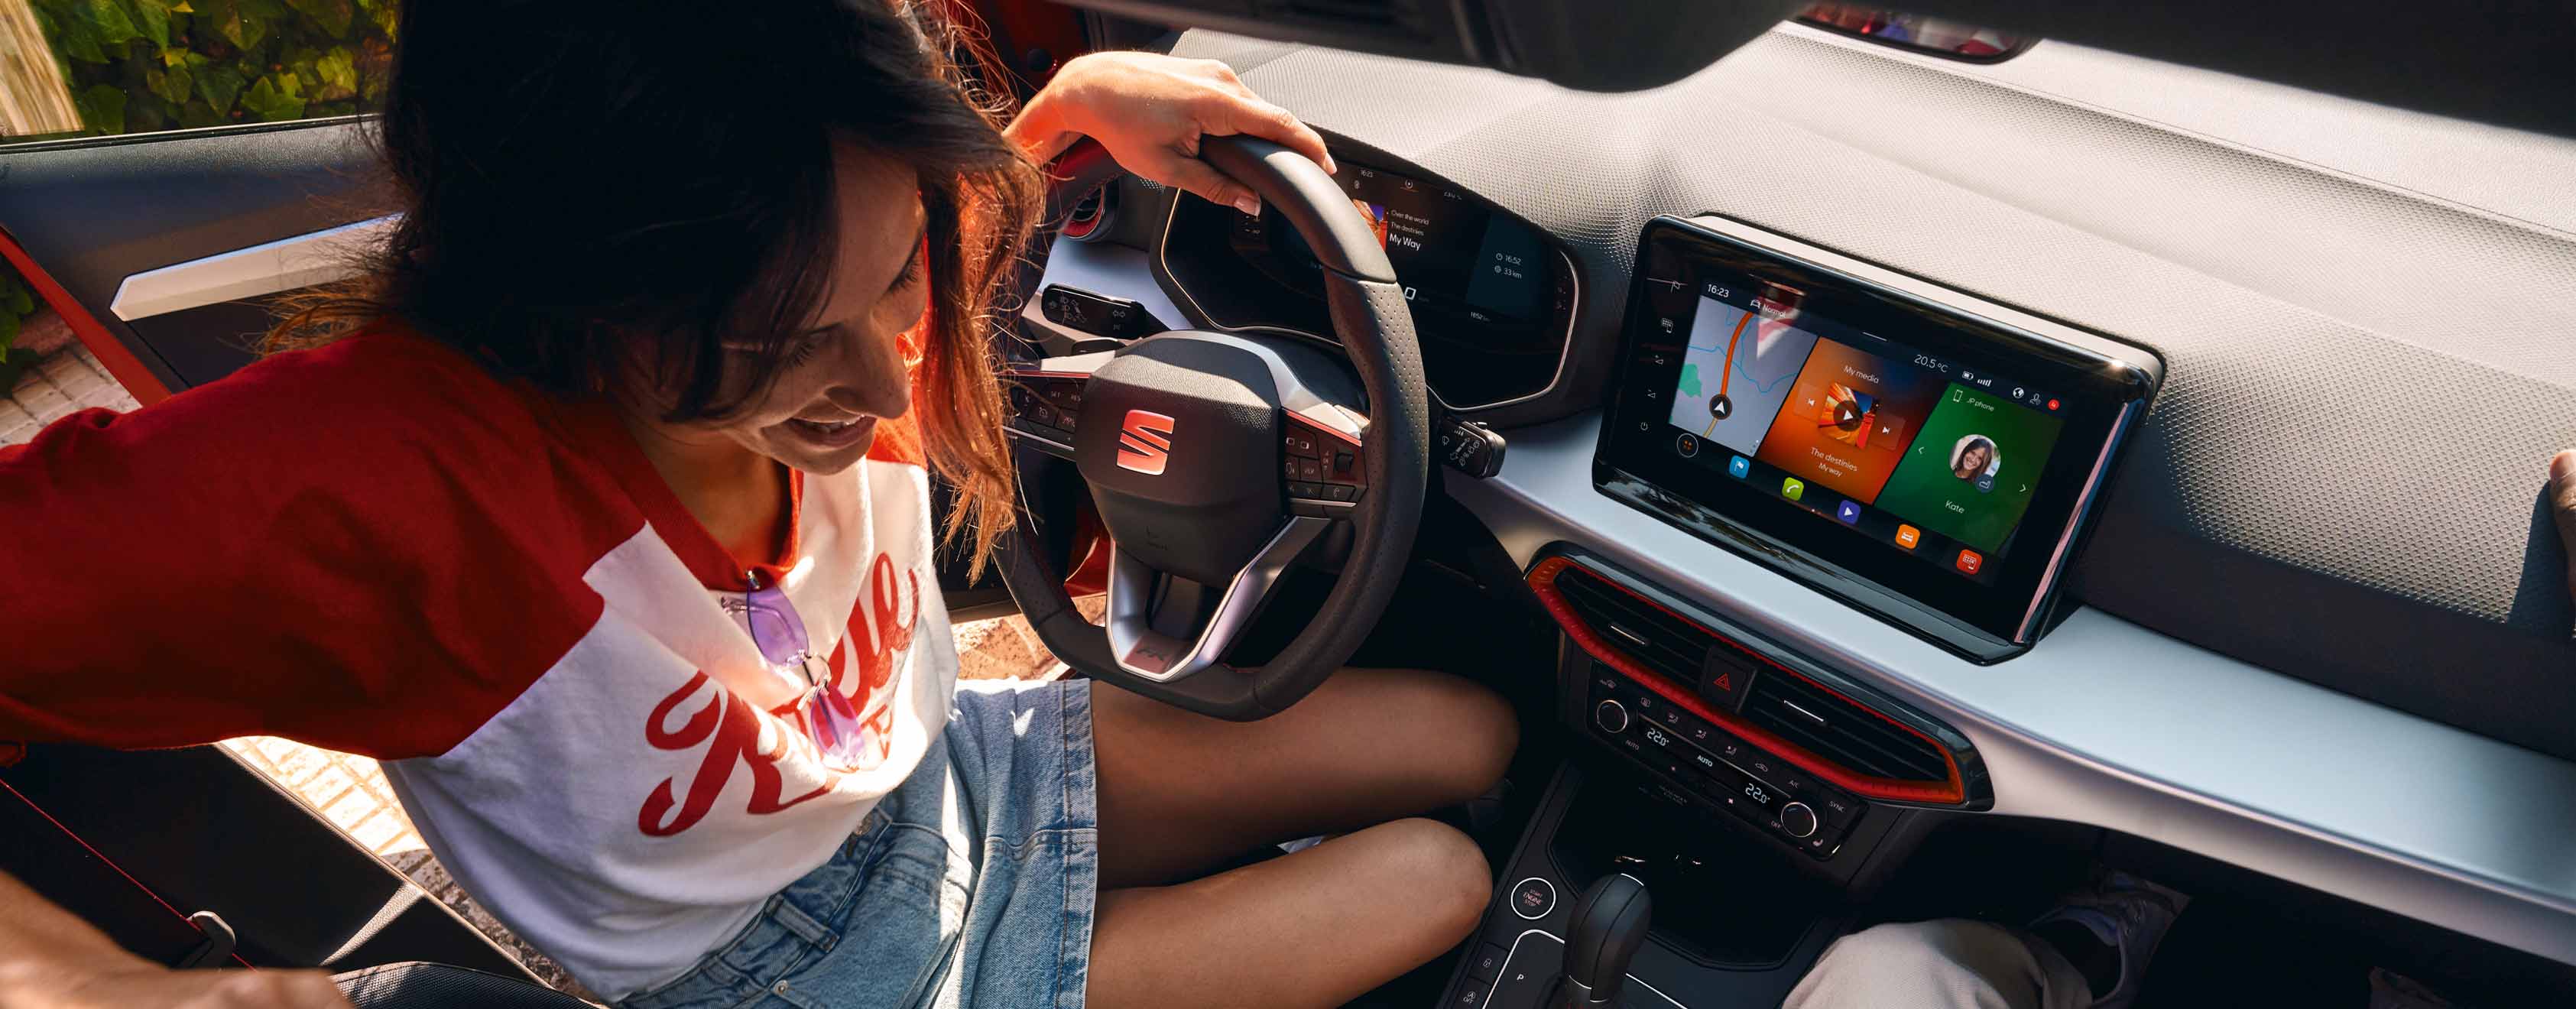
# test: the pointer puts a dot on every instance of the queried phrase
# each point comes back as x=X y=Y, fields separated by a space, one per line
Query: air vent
x=1839 y=730
x=1375 y=16
x=1665 y=643
x=1783 y=711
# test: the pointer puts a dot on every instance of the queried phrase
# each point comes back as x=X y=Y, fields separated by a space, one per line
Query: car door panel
x=90 y=215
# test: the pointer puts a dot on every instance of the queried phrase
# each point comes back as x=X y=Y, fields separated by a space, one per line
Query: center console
x=1758 y=795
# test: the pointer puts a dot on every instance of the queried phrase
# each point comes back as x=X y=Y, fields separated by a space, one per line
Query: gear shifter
x=1610 y=922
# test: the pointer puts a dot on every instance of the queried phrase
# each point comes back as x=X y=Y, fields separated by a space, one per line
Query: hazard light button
x=1725 y=678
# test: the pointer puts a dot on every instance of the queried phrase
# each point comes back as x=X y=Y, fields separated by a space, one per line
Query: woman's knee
x=1443 y=869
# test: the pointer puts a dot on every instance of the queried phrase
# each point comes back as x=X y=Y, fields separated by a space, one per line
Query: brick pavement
x=68 y=380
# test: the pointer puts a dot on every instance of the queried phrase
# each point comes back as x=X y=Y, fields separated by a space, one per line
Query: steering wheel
x=1217 y=460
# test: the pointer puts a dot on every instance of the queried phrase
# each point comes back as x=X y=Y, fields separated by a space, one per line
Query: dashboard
x=2246 y=617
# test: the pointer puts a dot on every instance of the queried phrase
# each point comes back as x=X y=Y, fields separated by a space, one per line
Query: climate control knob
x=1611 y=716
x=1798 y=819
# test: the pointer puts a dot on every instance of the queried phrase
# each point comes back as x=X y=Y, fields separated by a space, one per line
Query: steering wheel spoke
x=1045 y=401
x=1154 y=622
x=1324 y=462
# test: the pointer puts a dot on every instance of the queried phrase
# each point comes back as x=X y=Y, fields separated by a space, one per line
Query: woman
x=599 y=511
x=1972 y=457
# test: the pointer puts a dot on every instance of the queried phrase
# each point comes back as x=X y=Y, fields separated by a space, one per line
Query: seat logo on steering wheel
x=1145 y=442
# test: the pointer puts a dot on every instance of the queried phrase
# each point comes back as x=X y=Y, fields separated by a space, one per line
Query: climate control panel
x=1714 y=769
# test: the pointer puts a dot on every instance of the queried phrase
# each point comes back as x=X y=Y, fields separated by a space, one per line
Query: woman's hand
x=2562 y=506
x=1151 y=112
x=52 y=960
x=150 y=985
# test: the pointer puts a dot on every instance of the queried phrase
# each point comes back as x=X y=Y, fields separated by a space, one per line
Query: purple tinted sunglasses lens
x=774 y=626
x=834 y=725
x=829 y=718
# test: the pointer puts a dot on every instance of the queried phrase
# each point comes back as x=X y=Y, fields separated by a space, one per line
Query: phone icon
x=1792 y=489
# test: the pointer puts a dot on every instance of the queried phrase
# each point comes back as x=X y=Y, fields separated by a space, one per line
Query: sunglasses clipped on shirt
x=828 y=718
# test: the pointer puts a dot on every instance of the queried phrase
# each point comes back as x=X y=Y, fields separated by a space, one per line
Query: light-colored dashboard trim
x=318 y=257
x=1564 y=350
x=1105 y=269
x=2107 y=723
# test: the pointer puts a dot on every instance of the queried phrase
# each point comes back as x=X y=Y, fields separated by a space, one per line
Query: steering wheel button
x=1342 y=463
x=1309 y=470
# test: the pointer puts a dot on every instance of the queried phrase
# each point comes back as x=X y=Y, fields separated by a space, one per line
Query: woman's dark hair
x=596 y=186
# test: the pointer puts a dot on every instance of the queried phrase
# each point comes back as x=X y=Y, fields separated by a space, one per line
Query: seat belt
x=220 y=940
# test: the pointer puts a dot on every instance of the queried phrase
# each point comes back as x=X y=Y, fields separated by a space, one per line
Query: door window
x=102 y=68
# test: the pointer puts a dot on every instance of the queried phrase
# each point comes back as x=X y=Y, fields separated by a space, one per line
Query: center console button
x=1611 y=716
x=1797 y=819
x=1724 y=680
x=1488 y=962
x=1533 y=898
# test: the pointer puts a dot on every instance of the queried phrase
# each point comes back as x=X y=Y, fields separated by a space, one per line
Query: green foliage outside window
x=137 y=66
x=17 y=302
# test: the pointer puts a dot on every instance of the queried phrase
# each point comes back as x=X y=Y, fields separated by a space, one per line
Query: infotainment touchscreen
x=1907 y=448
x=1936 y=462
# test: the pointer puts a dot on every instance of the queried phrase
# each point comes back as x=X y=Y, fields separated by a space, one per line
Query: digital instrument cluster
x=1493 y=297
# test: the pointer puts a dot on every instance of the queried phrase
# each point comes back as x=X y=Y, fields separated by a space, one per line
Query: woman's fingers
x=1250 y=116
x=2562 y=505
x=1241 y=114
x=1197 y=176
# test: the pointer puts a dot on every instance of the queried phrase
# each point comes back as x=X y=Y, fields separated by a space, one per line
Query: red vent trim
x=1542 y=580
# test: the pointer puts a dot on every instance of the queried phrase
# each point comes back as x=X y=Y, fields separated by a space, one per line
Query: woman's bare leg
x=1316 y=928
x=1180 y=793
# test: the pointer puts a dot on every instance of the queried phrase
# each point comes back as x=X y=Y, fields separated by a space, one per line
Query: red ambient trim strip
x=139 y=382
x=1542 y=580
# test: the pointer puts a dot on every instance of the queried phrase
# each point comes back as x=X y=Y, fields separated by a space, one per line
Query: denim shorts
x=970 y=884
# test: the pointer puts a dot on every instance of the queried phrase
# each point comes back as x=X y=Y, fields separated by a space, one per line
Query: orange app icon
x=1907 y=536
x=1969 y=562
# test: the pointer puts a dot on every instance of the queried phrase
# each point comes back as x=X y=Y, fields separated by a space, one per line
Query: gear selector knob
x=1610 y=923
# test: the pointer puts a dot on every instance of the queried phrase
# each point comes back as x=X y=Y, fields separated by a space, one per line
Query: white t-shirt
x=376 y=547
